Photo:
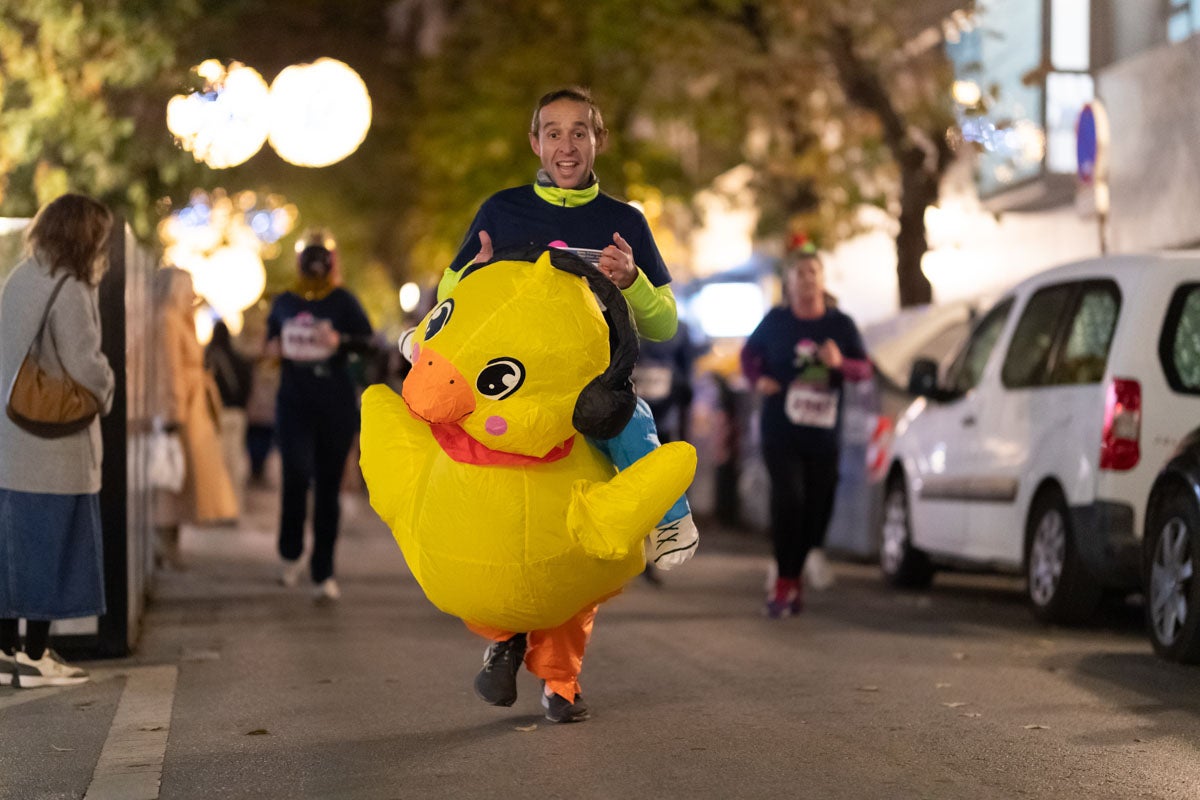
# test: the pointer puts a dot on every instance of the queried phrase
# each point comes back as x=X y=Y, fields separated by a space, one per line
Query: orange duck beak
x=435 y=390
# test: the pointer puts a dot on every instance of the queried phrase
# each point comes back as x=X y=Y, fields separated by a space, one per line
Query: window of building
x=1183 y=19
x=1070 y=34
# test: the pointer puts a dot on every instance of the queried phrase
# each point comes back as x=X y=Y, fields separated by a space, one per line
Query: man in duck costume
x=564 y=208
x=507 y=516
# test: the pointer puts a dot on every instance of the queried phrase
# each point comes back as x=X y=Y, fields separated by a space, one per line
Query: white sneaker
x=49 y=670
x=8 y=666
x=290 y=574
x=817 y=573
x=327 y=592
x=673 y=543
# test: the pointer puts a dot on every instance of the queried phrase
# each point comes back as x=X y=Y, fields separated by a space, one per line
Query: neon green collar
x=567 y=198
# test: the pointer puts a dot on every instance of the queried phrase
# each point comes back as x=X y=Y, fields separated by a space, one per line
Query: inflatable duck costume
x=507 y=517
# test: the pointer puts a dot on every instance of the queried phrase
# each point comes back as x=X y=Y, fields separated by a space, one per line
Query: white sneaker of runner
x=673 y=543
x=817 y=573
x=327 y=592
x=289 y=574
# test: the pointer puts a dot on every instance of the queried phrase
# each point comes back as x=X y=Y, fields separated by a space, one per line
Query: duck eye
x=438 y=318
x=500 y=378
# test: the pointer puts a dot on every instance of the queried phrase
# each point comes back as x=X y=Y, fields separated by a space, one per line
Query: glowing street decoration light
x=410 y=295
x=227 y=122
x=319 y=113
x=221 y=241
x=231 y=279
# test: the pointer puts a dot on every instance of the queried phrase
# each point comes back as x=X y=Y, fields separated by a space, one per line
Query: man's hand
x=616 y=261
x=485 y=249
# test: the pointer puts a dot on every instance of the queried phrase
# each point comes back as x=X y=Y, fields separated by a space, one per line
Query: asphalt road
x=243 y=689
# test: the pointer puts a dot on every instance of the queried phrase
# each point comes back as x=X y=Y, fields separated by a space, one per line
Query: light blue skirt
x=50 y=556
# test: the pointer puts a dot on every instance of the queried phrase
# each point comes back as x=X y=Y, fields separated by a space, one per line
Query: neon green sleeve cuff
x=653 y=308
x=449 y=280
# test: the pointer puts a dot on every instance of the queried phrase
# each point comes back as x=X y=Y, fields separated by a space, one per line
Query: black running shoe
x=496 y=683
x=559 y=709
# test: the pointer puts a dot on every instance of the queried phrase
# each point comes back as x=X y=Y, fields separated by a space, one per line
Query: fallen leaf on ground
x=971 y=714
x=259 y=732
x=868 y=688
x=58 y=749
x=152 y=729
x=960 y=656
x=526 y=728
x=1036 y=727
x=955 y=704
x=942 y=685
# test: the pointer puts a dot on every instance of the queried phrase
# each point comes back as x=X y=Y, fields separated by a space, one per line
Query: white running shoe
x=289 y=575
x=327 y=592
x=8 y=666
x=817 y=573
x=673 y=543
x=49 y=670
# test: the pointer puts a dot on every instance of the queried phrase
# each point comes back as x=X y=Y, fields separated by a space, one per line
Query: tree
x=843 y=111
x=82 y=88
x=831 y=107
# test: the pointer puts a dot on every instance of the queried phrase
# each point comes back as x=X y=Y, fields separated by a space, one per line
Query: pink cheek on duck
x=416 y=352
x=496 y=426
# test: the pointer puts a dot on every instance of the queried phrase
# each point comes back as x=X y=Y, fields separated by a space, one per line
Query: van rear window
x=1179 y=345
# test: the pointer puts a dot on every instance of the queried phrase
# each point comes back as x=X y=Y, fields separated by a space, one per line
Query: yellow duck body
x=505 y=515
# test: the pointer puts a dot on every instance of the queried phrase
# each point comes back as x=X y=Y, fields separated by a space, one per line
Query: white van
x=1036 y=448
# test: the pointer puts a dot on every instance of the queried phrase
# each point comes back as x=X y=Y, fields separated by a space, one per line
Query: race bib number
x=304 y=338
x=652 y=382
x=811 y=406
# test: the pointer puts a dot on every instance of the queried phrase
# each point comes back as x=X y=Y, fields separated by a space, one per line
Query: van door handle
x=968 y=422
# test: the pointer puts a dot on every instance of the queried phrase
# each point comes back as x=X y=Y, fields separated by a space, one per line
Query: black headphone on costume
x=606 y=404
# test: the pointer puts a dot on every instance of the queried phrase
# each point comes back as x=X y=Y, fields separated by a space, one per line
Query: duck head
x=506 y=356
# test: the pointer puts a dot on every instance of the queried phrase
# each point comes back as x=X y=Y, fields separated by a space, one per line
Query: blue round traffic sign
x=1086 y=145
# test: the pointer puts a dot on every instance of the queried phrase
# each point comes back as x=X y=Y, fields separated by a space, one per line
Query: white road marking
x=131 y=763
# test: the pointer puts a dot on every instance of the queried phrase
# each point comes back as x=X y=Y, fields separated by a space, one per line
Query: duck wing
x=610 y=518
x=394 y=444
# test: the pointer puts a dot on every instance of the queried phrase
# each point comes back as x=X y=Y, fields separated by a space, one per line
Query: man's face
x=565 y=142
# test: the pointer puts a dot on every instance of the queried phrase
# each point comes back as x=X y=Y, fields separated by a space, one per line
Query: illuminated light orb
x=231 y=279
x=319 y=112
x=410 y=295
x=204 y=325
x=967 y=93
x=227 y=122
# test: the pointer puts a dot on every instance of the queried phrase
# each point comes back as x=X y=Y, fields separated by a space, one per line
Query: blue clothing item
x=785 y=348
x=517 y=217
x=329 y=378
x=638 y=439
x=51 y=563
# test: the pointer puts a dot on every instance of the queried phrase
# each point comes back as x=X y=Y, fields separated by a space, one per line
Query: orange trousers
x=556 y=654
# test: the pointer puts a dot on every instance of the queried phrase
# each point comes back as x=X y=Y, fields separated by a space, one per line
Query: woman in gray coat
x=50 y=557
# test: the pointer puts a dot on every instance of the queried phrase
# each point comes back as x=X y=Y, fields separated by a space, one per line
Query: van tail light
x=1119 y=444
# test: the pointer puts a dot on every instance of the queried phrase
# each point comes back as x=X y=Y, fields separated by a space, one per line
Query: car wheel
x=903 y=565
x=1172 y=548
x=1059 y=587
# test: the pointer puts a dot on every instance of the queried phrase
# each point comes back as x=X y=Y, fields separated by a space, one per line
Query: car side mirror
x=923 y=380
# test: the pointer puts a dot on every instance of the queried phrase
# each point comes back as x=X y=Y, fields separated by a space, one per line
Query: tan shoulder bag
x=43 y=404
